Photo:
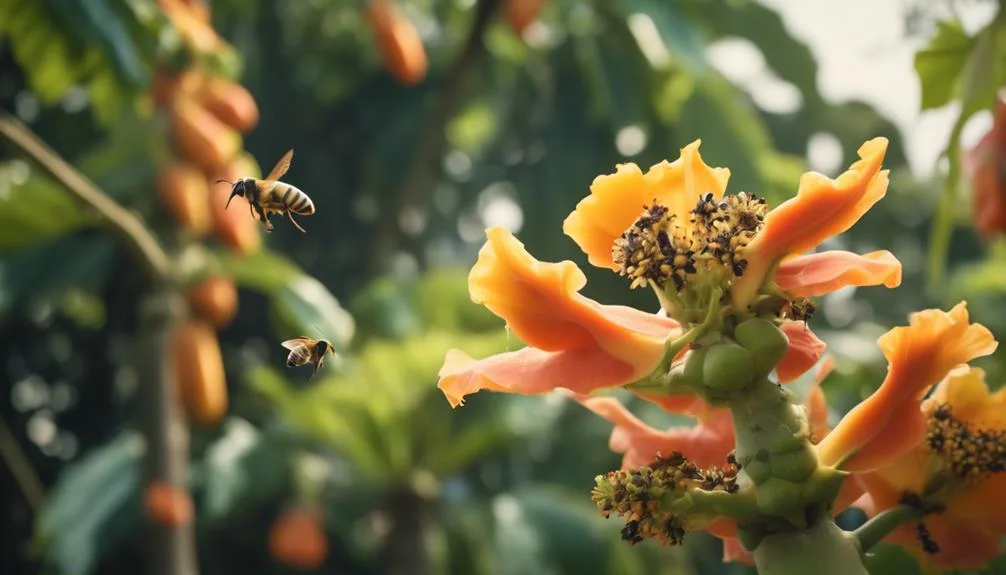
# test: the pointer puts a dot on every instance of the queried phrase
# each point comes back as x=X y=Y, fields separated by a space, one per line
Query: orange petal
x=530 y=371
x=542 y=305
x=803 y=352
x=690 y=405
x=705 y=444
x=822 y=208
x=962 y=545
x=734 y=552
x=968 y=395
x=825 y=272
x=616 y=200
x=919 y=356
x=817 y=403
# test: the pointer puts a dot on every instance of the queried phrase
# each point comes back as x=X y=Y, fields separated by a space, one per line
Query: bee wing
x=296 y=343
x=281 y=166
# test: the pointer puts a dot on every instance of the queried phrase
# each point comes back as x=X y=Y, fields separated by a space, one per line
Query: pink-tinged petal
x=690 y=405
x=818 y=274
x=531 y=371
x=705 y=444
x=734 y=552
x=803 y=352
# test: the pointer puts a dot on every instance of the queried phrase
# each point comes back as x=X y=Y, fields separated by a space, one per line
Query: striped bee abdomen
x=295 y=200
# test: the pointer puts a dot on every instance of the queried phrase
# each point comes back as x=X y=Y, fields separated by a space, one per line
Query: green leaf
x=125 y=162
x=35 y=208
x=301 y=304
x=680 y=35
x=97 y=22
x=242 y=468
x=93 y=505
x=940 y=63
x=48 y=271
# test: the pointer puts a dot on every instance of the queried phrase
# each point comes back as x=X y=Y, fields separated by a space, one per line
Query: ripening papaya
x=201 y=136
x=214 y=299
x=298 y=540
x=231 y=102
x=199 y=369
x=182 y=189
x=398 y=42
x=167 y=504
x=236 y=226
x=521 y=13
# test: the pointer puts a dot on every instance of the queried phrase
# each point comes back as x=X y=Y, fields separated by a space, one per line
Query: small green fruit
x=766 y=342
x=728 y=366
x=693 y=366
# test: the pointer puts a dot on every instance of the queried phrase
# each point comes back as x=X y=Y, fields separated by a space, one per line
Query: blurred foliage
x=503 y=481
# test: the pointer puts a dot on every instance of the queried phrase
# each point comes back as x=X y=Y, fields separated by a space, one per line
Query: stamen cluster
x=972 y=454
x=663 y=248
x=638 y=494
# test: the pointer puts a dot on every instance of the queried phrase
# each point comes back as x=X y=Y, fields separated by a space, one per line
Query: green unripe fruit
x=728 y=366
x=693 y=366
x=794 y=466
x=778 y=496
x=751 y=535
x=766 y=342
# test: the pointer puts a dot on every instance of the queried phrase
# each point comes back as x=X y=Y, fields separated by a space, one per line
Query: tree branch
x=417 y=182
x=120 y=220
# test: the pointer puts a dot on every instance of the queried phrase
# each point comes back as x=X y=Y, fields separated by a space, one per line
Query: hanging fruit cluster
x=985 y=165
x=398 y=42
x=208 y=114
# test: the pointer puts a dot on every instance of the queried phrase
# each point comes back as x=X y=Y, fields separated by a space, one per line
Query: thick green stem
x=822 y=548
x=773 y=437
x=878 y=527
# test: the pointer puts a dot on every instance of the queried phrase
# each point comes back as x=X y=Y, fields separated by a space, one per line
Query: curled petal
x=890 y=422
x=617 y=200
x=803 y=352
x=705 y=444
x=818 y=274
x=817 y=403
x=734 y=552
x=690 y=405
x=822 y=208
x=530 y=371
x=541 y=304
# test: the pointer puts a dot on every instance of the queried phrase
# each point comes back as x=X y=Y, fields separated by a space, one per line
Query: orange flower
x=705 y=444
x=962 y=418
x=984 y=166
x=888 y=423
x=822 y=208
x=574 y=341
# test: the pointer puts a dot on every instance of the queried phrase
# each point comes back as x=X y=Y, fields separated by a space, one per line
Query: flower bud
x=199 y=369
x=214 y=299
x=766 y=342
x=182 y=189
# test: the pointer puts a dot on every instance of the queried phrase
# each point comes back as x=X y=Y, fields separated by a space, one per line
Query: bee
x=305 y=350
x=271 y=196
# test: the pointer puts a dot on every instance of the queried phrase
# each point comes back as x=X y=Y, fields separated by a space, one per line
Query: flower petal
x=734 y=552
x=967 y=393
x=705 y=444
x=803 y=352
x=817 y=274
x=542 y=305
x=919 y=356
x=531 y=371
x=822 y=208
x=617 y=200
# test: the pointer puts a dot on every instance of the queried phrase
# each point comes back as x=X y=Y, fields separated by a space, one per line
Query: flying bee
x=271 y=196
x=305 y=350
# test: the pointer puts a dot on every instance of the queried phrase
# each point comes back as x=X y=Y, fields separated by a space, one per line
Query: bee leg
x=289 y=214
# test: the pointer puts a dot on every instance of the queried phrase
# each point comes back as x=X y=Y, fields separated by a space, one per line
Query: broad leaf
x=98 y=22
x=93 y=505
x=35 y=208
x=940 y=63
x=680 y=35
x=301 y=304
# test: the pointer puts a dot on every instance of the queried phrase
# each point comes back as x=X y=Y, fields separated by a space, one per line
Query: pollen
x=971 y=453
x=671 y=249
x=637 y=495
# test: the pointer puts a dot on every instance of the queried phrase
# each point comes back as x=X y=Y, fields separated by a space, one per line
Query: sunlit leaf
x=301 y=304
x=35 y=208
x=92 y=506
x=940 y=63
x=98 y=22
x=680 y=35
